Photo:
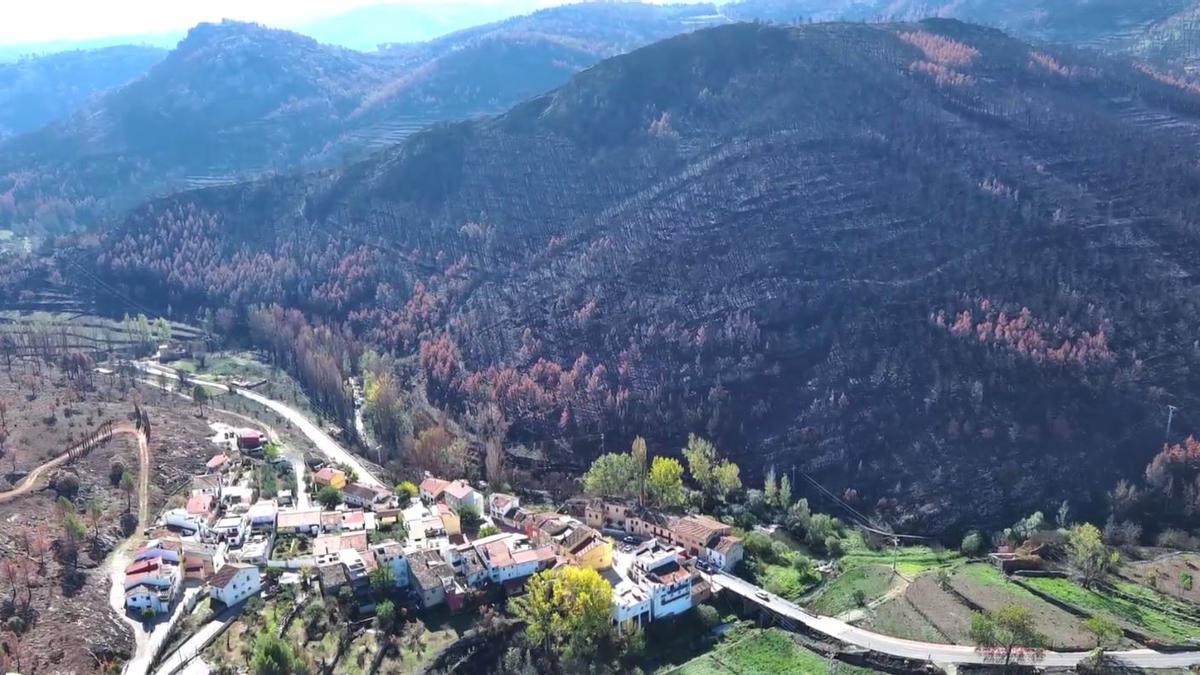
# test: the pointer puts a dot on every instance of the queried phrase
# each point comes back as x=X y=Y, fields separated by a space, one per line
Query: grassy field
x=785 y=581
x=763 y=653
x=1146 y=615
x=910 y=560
x=838 y=595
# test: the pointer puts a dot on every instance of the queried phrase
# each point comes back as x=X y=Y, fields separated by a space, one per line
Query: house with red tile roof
x=431 y=489
x=330 y=477
x=460 y=495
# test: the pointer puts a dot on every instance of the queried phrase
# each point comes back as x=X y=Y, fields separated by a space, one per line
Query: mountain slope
x=1172 y=42
x=236 y=100
x=36 y=91
x=947 y=273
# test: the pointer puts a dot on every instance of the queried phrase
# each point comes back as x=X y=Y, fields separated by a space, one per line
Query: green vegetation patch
x=910 y=560
x=857 y=584
x=766 y=652
x=1146 y=616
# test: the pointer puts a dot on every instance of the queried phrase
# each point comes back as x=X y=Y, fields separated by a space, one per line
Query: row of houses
x=699 y=536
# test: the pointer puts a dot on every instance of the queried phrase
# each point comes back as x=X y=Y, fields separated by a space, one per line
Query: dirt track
x=34 y=476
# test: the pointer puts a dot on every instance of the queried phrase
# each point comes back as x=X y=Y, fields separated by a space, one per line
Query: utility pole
x=1170 y=418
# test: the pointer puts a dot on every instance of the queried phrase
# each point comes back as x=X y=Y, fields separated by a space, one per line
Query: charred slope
x=944 y=271
x=36 y=91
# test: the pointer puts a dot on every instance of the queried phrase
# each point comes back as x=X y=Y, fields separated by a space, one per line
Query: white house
x=459 y=495
x=431 y=489
x=630 y=603
x=508 y=556
x=208 y=484
x=234 y=583
x=230 y=529
x=657 y=569
x=726 y=552
x=364 y=496
x=146 y=597
x=188 y=522
x=502 y=508
x=261 y=515
x=391 y=554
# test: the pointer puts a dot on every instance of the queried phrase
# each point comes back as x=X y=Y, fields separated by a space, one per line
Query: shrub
x=66 y=485
x=860 y=597
x=972 y=544
x=708 y=616
x=1185 y=581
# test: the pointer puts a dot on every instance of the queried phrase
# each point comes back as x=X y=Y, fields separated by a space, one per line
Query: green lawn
x=1145 y=616
x=767 y=653
x=838 y=595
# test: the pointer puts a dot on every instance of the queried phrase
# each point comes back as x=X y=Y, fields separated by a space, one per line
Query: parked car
x=630 y=540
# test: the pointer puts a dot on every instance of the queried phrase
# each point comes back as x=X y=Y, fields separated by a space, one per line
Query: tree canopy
x=273 y=656
x=665 y=483
x=566 y=611
x=329 y=497
x=1088 y=556
x=1008 y=633
x=611 y=475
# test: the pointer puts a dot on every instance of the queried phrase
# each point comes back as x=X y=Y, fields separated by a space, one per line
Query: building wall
x=399 y=565
x=433 y=596
x=672 y=600
x=726 y=562
x=598 y=558
x=515 y=571
x=636 y=612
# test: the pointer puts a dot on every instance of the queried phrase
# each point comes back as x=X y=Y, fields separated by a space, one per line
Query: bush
x=708 y=616
x=1185 y=581
x=833 y=546
x=470 y=519
x=860 y=597
x=66 y=485
x=758 y=545
x=972 y=545
x=1178 y=539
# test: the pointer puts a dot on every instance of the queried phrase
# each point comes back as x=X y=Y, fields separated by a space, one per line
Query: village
x=448 y=543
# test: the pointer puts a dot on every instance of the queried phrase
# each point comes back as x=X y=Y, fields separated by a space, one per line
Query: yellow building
x=590 y=549
x=330 y=476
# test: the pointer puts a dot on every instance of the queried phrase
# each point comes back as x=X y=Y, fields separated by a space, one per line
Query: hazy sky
x=26 y=21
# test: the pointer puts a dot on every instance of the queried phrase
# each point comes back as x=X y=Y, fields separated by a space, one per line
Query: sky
x=34 y=21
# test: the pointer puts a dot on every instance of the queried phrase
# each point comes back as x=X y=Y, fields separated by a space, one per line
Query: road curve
x=34 y=476
x=929 y=651
x=323 y=442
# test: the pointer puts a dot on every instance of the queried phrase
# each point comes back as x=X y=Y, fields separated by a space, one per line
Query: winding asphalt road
x=323 y=442
x=929 y=651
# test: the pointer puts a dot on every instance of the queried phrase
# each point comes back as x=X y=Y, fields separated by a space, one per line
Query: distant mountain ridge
x=236 y=100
